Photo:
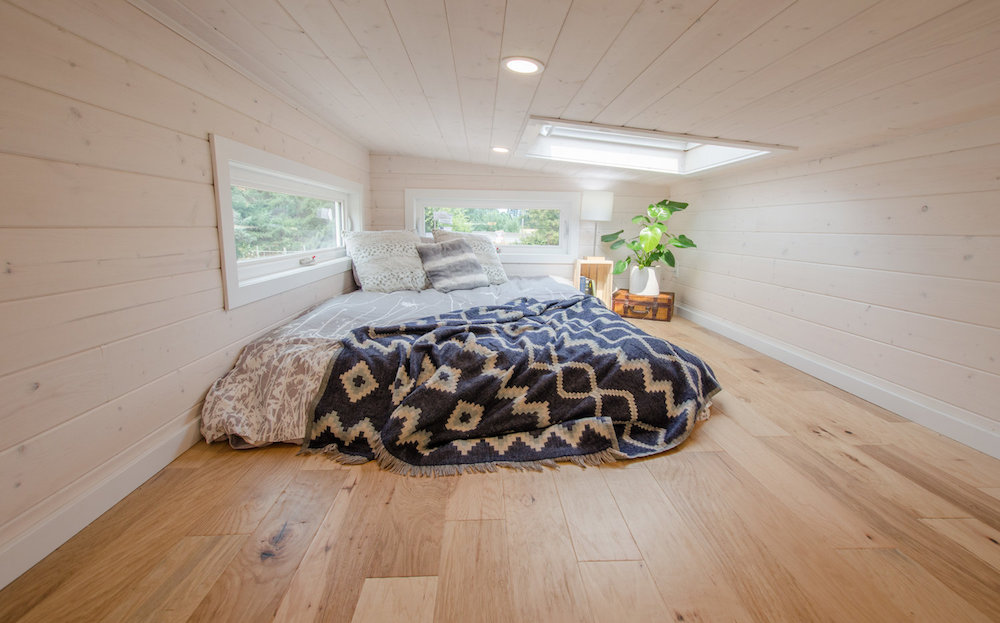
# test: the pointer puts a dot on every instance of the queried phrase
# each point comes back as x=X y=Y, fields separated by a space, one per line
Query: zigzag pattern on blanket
x=519 y=384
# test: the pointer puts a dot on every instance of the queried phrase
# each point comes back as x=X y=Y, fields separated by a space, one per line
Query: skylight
x=629 y=148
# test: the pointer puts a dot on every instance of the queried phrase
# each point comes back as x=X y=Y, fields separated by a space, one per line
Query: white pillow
x=386 y=261
x=483 y=247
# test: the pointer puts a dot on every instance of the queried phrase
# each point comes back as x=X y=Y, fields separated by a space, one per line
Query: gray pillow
x=483 y=247
x=386 y=261
x=452 y=266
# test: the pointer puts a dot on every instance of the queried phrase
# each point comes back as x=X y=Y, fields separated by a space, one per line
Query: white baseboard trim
x=42 y=539
x=963 y=426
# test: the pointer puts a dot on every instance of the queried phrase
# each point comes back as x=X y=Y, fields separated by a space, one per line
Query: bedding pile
x=521 y=384
x=268 y=395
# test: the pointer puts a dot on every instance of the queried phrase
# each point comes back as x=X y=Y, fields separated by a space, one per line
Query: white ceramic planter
x=644 y=281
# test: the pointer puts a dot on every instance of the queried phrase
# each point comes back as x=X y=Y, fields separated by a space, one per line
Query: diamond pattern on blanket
x=465 y=417
x=358 y=382
x=524 y=383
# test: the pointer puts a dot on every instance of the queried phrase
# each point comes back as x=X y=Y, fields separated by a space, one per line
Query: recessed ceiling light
x=523 y=65
x=501 y=150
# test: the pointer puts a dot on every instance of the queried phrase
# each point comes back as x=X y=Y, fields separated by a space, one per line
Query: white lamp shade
x=597 y=205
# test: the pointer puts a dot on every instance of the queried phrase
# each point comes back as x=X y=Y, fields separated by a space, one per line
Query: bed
x=522 y=373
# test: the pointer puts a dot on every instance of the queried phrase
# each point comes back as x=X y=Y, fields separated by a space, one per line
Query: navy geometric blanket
x=521 y=384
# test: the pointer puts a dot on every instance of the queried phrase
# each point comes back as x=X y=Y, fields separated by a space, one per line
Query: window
x=280 y=221
x=527 y=227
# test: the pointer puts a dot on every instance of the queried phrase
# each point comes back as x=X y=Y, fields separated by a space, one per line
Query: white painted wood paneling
x=883 y=262
x=110 y=294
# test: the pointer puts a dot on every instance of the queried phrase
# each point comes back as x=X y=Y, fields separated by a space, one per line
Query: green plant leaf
x=617 y=243
x=611 y=237
x=684 y=241
x=675 y=206
x=634 y=245
x=620 y=266
x=649 y=237
x=668 y=257
x=639 y=218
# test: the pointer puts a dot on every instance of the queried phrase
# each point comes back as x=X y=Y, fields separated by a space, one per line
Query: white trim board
x=44 y=538
x=963 y=426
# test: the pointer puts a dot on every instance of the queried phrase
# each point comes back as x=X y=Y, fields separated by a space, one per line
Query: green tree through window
x=508 y=227
x=270 y=223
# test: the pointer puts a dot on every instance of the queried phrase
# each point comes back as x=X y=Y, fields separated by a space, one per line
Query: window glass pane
x=269 y=224
x=506 y=226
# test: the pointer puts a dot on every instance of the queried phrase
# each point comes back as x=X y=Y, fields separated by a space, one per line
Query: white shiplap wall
x=877 y=270
x=392 y=175
x=111 y=318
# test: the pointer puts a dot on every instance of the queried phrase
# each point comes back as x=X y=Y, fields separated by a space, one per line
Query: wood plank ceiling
x=423 y=77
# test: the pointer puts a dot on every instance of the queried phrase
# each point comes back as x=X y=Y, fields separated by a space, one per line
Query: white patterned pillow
x=386 y=261
x=483 y=247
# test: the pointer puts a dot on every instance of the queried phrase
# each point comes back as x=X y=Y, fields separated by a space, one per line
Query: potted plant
x=649 y=247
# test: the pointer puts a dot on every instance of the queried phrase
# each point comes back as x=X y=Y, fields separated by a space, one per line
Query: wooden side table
x=598 y=270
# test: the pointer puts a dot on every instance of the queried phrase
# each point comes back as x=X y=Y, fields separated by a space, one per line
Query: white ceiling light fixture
x=523 y=65
x=632 y=148
x=500 y=149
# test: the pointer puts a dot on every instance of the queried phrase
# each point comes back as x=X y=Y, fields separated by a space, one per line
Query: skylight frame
x=552 y=139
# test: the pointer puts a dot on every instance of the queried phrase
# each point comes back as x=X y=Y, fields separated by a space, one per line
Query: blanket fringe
x=334 y=453
x=390 y=463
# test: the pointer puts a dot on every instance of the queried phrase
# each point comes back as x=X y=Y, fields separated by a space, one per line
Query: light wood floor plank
x=962 y=572
x=474 y=582
x=386 y=526
x=252 y=586
x=968 y=465
x=878 y=477
x=679 y=558
x=329 y=564
x=238 y=509
x=175 y=587
x=476 y=496
x=781 y=561
x=200 y=454
x=114 y=566
x=968 y=498
x=46 y=578
x=743 y=412
x=972 y=534
x=622 y=590
x=840 y=527
x=396 y=599
x=910 y=588
x=595 y=523
x=545 y=576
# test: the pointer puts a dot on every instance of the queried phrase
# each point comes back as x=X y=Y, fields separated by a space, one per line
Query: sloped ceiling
x=423 y=77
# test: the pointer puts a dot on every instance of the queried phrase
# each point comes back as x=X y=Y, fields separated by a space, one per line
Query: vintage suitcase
x=629 y=305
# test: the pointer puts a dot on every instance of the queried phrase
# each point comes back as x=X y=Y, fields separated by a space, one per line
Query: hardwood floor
x=794 y=502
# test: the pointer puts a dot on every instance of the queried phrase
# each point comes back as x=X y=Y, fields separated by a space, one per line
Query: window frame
x=568 y=204
x=265 y=277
